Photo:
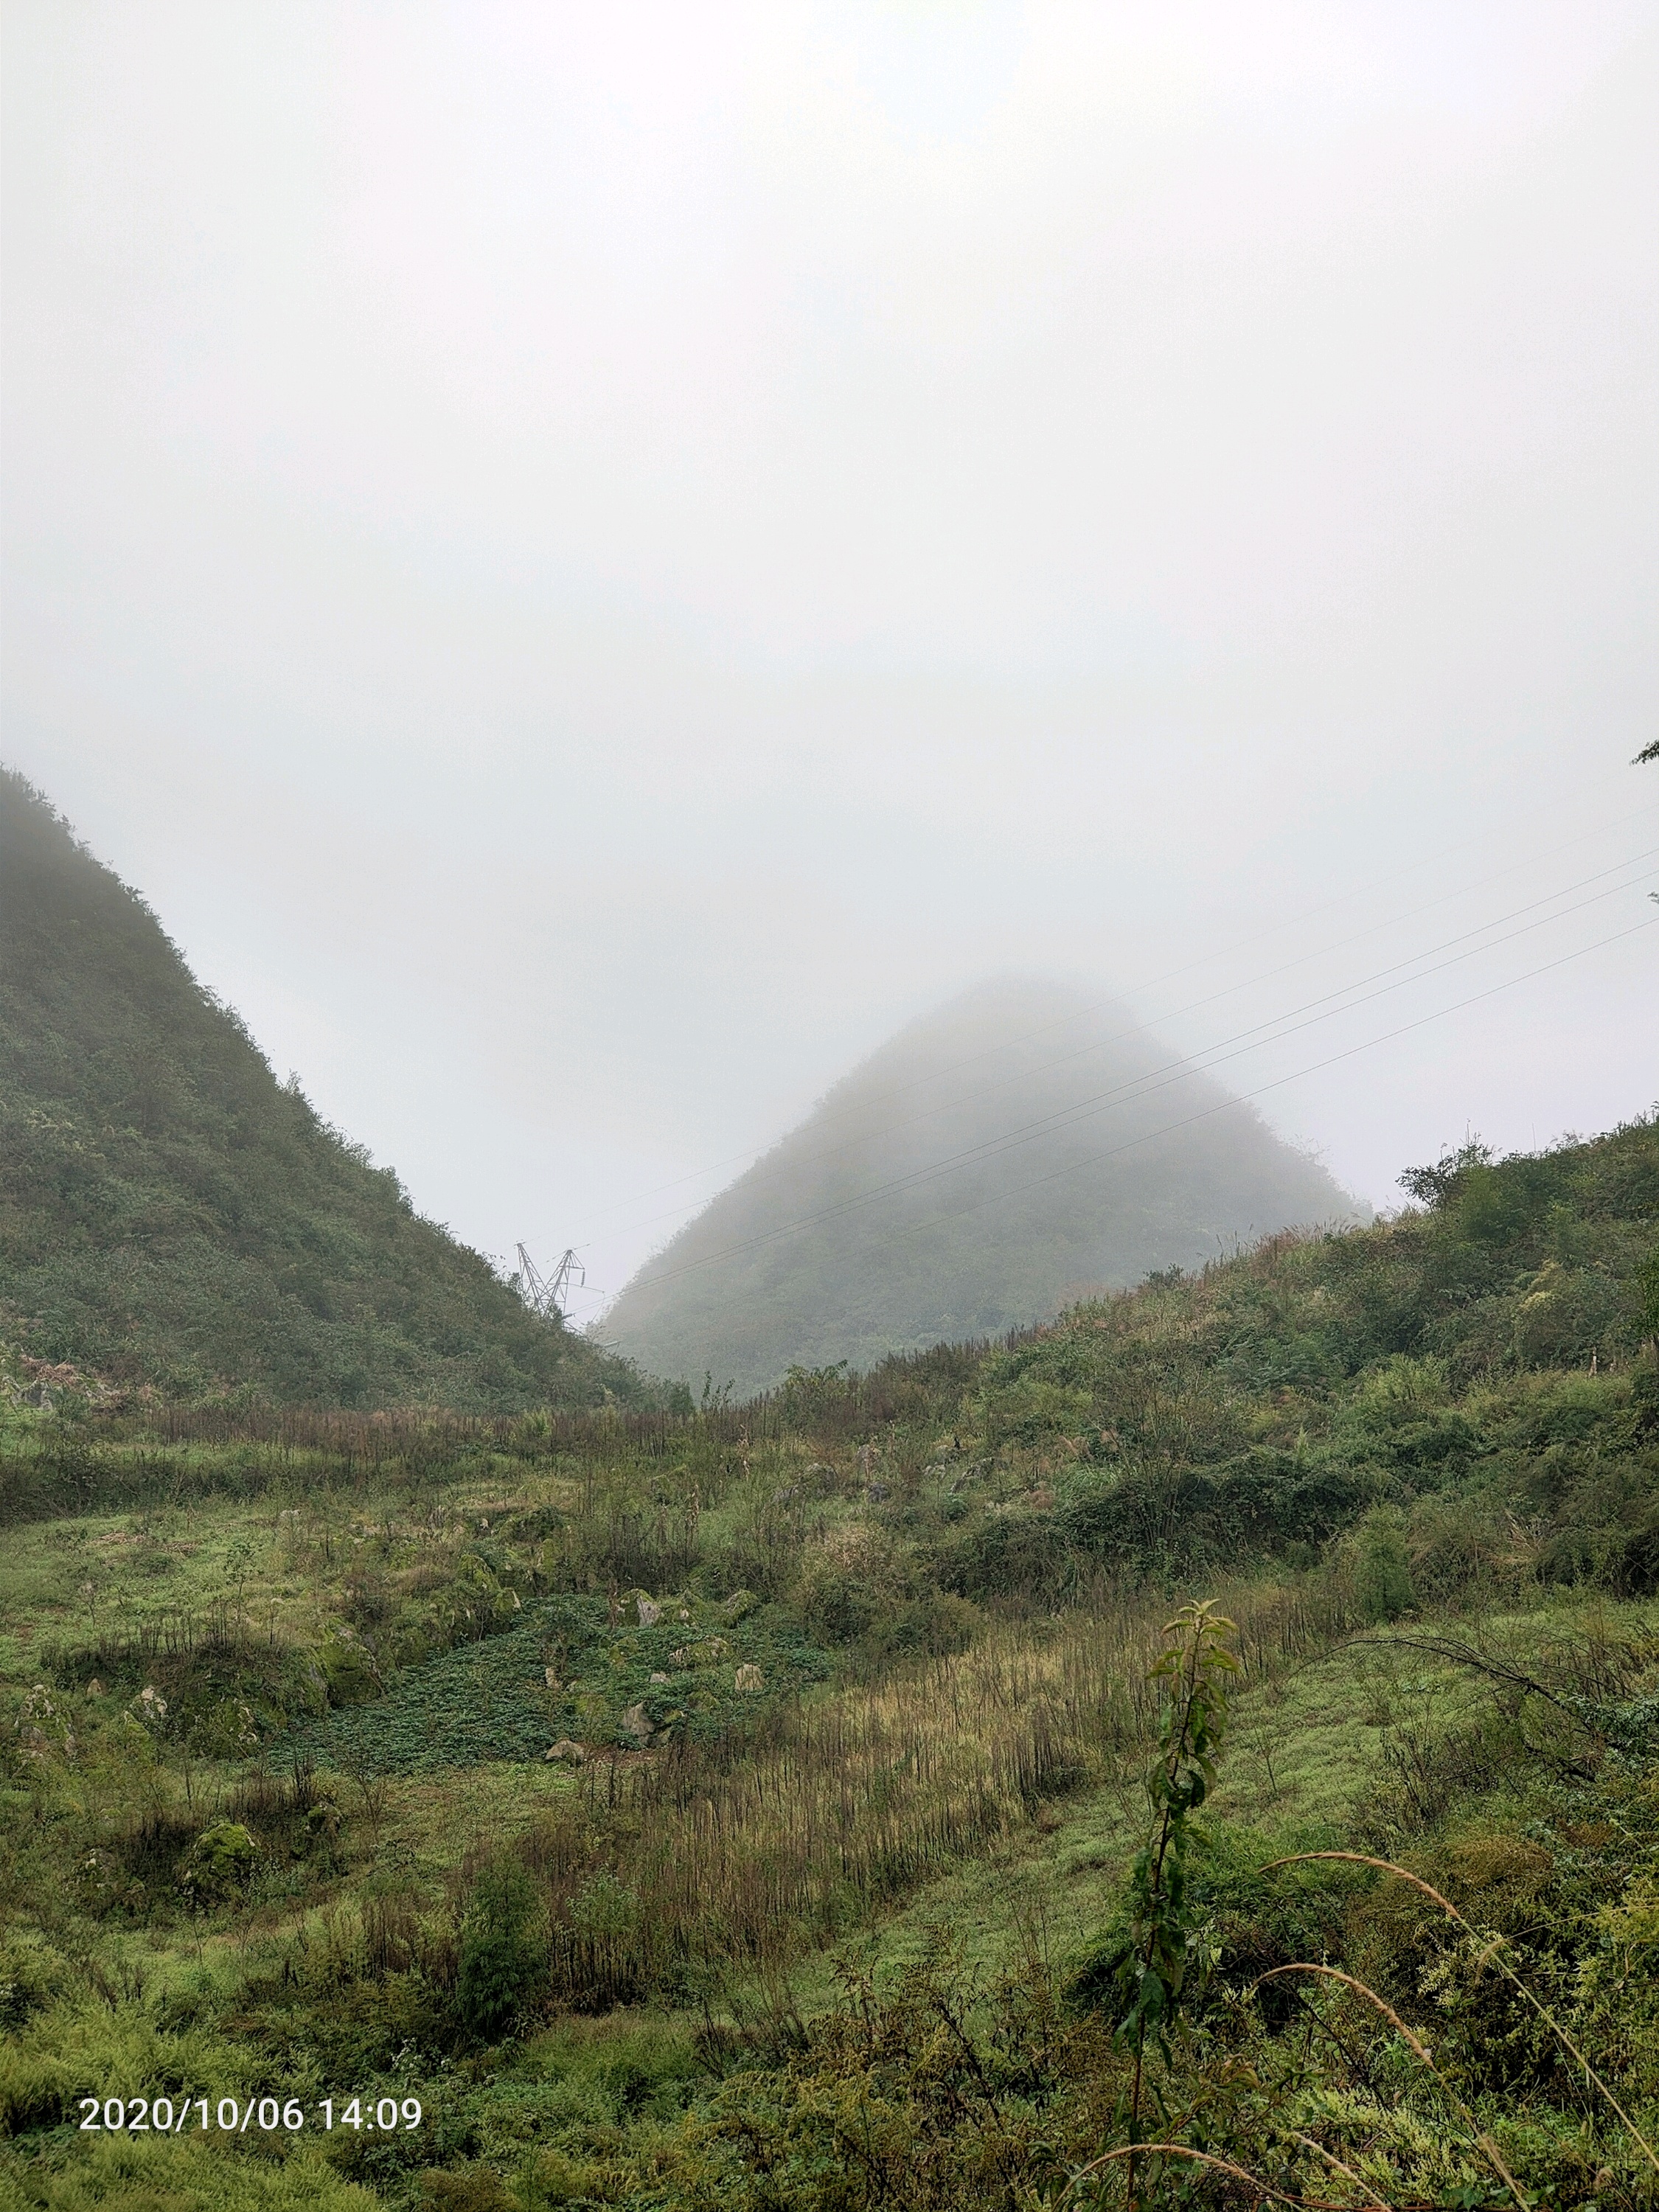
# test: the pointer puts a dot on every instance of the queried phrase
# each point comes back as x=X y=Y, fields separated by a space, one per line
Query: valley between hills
x=1200 y=1745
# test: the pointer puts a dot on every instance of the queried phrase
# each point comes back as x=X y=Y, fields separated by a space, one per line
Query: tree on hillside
x=1647 y=1289
x=1648 y=753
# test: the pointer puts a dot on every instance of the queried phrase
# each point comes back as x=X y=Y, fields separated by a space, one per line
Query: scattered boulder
x=552 y=1674
x=749 y=1677
x=230 y=1730
x=219 y=1863
x=737 y=1606
x=570 y=1753
x=659 y=1677
x=349 y=1669
x=638 y=1724
x=650 y=1612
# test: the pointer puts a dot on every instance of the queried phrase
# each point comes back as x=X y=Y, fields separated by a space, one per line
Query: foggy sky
x=590 y=562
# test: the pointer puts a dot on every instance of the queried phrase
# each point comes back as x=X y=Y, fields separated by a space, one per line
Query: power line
x=1249 y=1040
x=748 y=1157
x=1170 y=1073
x=1278 y=1083
x=1025 y=1074
x=809 y=1221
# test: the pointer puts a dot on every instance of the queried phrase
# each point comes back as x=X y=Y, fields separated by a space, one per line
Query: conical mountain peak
x=995 y=1159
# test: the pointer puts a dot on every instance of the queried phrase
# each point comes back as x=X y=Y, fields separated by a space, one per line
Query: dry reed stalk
x=1378 y=2204
x=845 y=1803
x=1420 y=2050
x=1335 y=1974
x=1491 y=1943
x=1203 y=2158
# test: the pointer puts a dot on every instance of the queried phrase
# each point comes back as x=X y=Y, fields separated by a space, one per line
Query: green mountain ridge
x=171 y=1216
x=1011 y=1152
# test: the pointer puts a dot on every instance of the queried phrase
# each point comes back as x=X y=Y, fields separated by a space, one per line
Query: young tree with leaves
x=1165 y=1937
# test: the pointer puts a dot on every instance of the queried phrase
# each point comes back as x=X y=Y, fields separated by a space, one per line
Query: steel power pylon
x=545 y=1295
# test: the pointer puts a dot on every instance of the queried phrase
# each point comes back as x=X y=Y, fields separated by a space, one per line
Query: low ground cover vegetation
x=749 y=1805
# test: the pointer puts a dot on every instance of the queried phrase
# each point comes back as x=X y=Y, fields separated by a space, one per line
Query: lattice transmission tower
x=545 y=1294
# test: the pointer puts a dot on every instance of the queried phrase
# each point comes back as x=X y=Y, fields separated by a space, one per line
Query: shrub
x=605 y=1908
x=1382 y=1575
x=1457 y=1547
x=844 y=1587
x=1029 y=1407
x=218 y=1864
x=934 y=1625
x=349 y=1669
x=503 y=1949
x=1647 y=1301
x=1565 y=1314
x=1634 y=1565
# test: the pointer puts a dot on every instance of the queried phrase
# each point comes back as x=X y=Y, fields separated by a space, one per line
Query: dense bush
x=503 y=1948
x=1382 y=1585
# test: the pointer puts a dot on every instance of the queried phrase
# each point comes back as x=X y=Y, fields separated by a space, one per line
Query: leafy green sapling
x=1165 y=1939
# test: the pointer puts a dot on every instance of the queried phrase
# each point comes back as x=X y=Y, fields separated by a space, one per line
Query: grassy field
x=750 y=1806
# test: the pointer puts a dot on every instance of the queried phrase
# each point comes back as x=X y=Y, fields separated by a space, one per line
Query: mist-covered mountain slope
x=924 y=1223
x=170 y=1214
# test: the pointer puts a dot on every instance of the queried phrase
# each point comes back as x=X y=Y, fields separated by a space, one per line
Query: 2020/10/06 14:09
x=161 y=2115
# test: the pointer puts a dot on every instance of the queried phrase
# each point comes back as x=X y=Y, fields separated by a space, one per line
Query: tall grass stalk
x=1419 y=2050
x=739 y=1852
x=1490 y=1946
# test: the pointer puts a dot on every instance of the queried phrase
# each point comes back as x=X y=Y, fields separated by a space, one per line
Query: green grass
x=490 y=1700
x=179 y=2177
x=820 y=1906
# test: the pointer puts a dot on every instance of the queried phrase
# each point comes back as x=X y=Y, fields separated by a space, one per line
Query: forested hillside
x=993 y=1161
x=845 y=1800
x=171 y=1216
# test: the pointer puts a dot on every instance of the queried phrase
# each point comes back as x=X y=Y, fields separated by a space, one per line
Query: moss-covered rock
x=218 y=1864
x=349 y=1669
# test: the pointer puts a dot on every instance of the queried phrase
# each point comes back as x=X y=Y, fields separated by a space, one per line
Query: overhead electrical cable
x=919 y=1178
x=748 y=1157
x=1177 y=1071
x=1025 y=1074
x=1242 y=1098
x=1251 y=1040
